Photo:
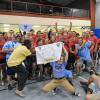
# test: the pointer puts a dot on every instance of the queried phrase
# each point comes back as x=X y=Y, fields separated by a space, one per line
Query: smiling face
x=91 y=33
x=40 y=43
x=80 y=41
x=61 y=60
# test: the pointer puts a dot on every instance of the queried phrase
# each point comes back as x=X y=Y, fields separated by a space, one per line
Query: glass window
x=57 y=11
x=67 y=11
x=46 y=10
x=80 y=13
x=5 y=5
x=18 y=6
x=33 y=8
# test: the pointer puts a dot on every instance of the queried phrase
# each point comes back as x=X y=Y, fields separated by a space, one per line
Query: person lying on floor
x=92 y=87
x=59 y=78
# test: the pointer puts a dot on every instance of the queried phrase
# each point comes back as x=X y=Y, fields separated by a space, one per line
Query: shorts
x=94 y=55
x=93 y=87
x=88 y=63
x=33 y=58
x=71 y=59
x=11 y=71
x=2 y=61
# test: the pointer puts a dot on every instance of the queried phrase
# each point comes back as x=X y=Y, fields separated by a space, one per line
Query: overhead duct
x=61 y=2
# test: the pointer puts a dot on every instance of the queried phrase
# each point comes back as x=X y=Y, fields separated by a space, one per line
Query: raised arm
x=66 y=54
x=70 y=27
x=83 y=44
x=56 y=27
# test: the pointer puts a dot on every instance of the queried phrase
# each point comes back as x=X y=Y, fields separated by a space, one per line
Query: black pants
x=22 y=76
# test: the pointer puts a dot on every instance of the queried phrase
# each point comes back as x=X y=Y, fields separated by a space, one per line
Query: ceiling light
x=6 y=28
x=36 y=26
x=6 y=25
x=60 y=26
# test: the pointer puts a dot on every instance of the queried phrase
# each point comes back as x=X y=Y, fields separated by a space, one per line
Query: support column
x=92 y=13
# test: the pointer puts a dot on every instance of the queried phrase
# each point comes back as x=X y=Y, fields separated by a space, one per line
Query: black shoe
x=84 y=86
x=10 y=87
x=83 y=83
x=85 y=70
x=76 y=94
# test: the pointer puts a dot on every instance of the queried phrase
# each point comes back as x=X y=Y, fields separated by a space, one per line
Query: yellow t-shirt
x=18 y=56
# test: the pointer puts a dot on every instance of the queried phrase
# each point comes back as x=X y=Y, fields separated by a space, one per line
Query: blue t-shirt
x=84 y=52
x=9 y=45
x=58 y=69
x=68 y=74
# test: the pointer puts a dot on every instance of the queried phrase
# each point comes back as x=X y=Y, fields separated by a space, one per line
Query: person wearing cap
x=8 y=48
x=16 y=62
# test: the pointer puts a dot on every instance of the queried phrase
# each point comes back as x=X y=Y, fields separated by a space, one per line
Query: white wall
x=41 y=21
x=97 y=16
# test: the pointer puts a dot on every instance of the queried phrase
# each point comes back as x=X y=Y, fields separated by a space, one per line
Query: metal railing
x=26 y=7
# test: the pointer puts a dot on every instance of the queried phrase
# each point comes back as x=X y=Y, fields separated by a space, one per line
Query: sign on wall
x=25 y=27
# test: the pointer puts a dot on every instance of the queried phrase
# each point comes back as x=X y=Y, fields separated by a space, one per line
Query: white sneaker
x=53 y=92
x=19 y=93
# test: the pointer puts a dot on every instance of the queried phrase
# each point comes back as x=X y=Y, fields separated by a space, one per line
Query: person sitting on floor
x=92 y=87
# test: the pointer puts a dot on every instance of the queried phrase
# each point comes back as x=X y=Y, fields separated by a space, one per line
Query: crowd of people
x=18 y=59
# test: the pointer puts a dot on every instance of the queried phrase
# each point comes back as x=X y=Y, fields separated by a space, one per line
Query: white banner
x=48 y=53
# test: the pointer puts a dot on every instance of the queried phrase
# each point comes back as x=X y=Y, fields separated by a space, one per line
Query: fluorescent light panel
x=6 y=25
x=36 y=26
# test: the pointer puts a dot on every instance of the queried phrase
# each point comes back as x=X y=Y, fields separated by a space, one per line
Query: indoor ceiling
x=60 y=2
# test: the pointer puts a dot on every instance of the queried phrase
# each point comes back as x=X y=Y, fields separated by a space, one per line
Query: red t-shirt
x=86 y=39
x=2 y=54
x=93 y=39
x=98 y=41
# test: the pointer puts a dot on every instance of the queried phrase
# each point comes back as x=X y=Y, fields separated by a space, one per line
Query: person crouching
x=16 y=62
x=59 y=76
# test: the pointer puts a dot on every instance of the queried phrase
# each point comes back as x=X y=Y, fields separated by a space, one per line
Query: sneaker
x=53 y=92
x=77 y=94
x=2 y=83
x=19 y=93
x=10 y=87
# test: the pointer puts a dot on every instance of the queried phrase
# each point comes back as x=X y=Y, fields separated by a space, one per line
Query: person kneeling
x=59 y=76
